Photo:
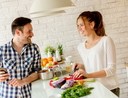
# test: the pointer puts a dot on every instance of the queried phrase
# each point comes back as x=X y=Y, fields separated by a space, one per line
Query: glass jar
x=68 y=66
x=57 y=71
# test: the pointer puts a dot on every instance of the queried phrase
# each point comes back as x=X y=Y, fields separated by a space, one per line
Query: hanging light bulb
x=49 y=7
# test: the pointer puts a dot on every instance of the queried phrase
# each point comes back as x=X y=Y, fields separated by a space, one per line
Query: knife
x=73 y=71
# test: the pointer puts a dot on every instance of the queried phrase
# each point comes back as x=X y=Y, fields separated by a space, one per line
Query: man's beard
x=29 y=41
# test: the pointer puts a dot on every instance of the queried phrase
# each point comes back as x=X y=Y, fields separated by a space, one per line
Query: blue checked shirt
x=18 y=66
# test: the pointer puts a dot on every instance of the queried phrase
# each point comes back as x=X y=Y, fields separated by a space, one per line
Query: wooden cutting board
x=89 y=79
x=61 y=62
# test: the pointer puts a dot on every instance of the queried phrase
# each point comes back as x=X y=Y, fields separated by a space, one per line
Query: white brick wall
x=62 y=28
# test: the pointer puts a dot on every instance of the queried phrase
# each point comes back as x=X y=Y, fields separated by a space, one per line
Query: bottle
x=49 y=53
x=58 y=57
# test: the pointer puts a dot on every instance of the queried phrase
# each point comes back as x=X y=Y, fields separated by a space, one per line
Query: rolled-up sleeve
x=111 y=58
x=37 y=60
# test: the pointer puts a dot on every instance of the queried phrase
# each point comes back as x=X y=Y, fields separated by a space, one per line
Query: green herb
x=50 y=49
x=76 y=91
x=60 y=48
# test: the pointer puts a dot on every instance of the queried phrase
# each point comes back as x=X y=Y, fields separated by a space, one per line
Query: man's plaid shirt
x=18 y=66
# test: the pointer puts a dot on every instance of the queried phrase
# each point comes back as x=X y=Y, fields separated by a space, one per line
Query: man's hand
x=16 y=82
x=3 y=76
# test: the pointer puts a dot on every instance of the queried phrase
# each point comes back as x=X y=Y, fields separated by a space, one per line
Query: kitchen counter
x=41 y=89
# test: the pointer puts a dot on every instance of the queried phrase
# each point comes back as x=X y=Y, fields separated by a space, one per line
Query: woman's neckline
x=94 y=45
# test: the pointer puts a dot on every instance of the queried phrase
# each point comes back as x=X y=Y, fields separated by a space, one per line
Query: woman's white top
x=101 y=57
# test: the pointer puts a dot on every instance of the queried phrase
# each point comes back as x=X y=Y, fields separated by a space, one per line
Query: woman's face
x=84 y=27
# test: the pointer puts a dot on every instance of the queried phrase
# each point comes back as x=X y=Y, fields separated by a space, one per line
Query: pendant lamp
x=41 y=14
x=49 y=7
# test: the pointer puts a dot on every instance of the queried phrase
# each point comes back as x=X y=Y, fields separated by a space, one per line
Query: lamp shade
x=35 y=15
x=50 y=6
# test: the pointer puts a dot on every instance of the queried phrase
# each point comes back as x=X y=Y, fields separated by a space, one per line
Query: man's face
x=27 y=34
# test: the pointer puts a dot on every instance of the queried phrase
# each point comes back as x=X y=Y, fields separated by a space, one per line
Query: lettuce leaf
x=77 y=91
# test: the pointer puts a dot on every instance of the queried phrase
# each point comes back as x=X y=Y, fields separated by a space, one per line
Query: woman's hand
x=79 y=73
x=3 y=76
x=77 y=66
x=98 y=74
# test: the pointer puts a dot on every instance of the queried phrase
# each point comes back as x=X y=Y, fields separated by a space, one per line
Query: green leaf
x=76 y=91
x=60 y=48
x=49 y=48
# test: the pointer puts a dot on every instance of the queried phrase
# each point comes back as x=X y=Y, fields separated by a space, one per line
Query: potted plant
x=60 y=49
x=50 y=49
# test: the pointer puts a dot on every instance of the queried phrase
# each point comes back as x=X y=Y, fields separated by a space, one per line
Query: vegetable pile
x=64 y=83
x=76 y=91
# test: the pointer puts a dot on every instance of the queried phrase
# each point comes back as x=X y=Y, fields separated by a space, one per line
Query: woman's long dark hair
x=97 y=18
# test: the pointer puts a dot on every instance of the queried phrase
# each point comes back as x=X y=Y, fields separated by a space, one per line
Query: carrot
x=81 y=81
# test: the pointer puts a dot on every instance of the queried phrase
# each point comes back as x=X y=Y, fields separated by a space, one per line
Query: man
x=21 y=58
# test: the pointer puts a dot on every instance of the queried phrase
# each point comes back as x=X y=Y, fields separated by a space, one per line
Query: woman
x=97 y=51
